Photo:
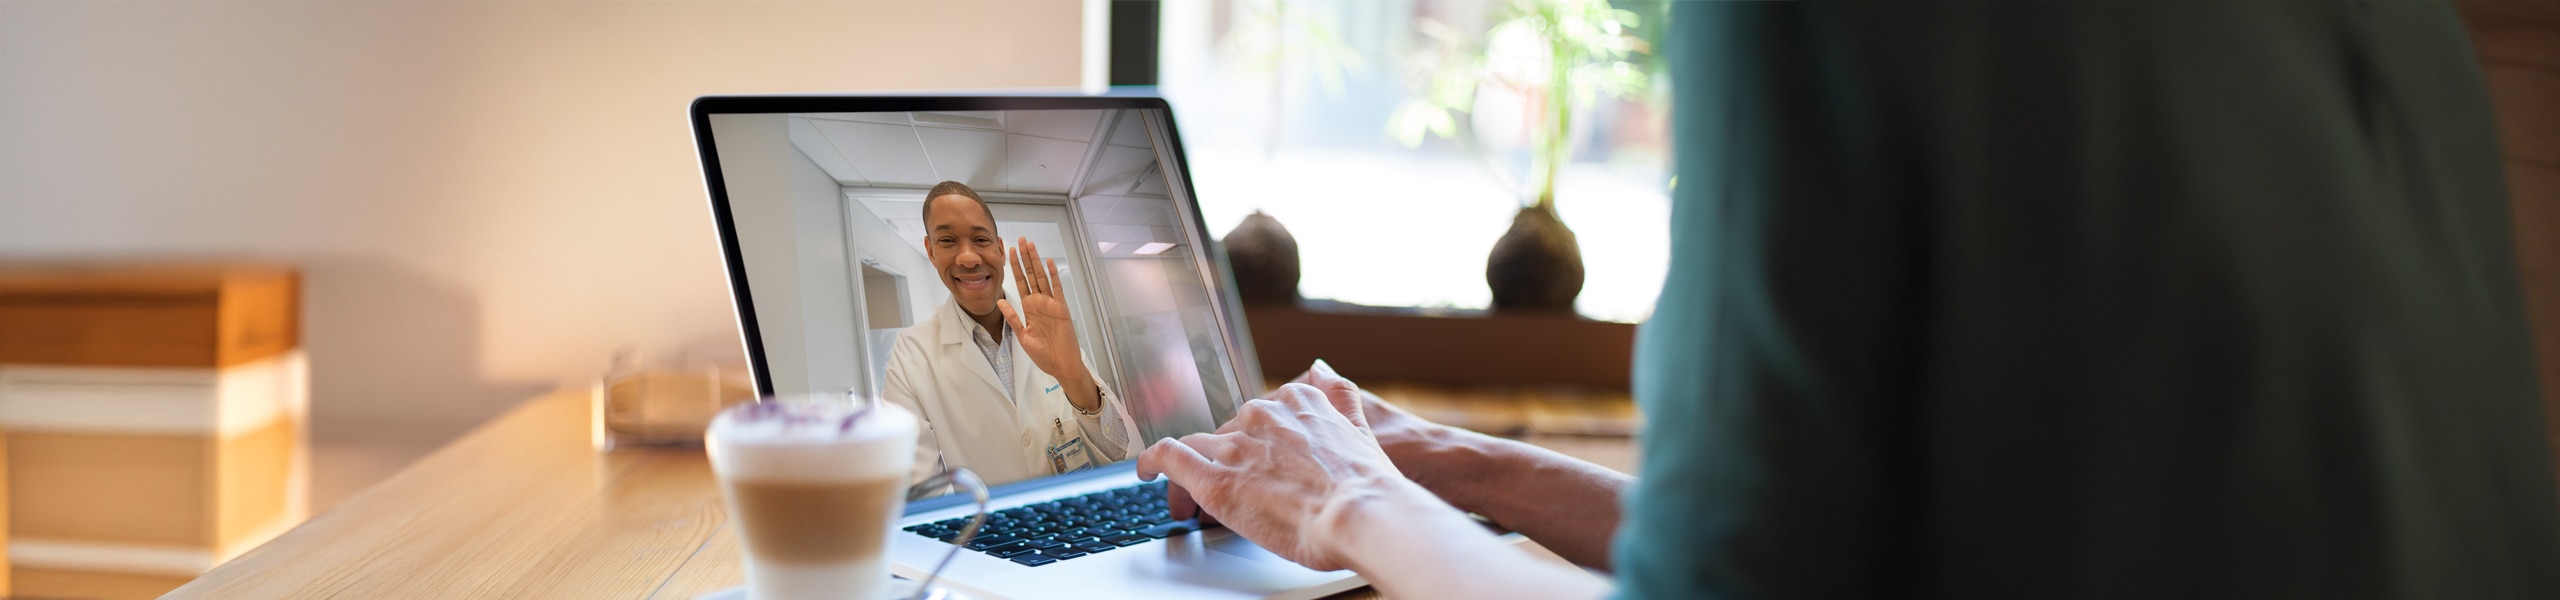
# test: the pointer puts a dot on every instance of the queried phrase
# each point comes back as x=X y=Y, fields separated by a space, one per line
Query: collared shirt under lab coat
x=937 y=372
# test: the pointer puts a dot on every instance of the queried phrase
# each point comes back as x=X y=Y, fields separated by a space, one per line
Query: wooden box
x=154 y=421
x=146 y=316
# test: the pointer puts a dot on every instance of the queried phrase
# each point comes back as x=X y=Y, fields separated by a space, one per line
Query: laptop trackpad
x=1225 y=541
x=1219 y=558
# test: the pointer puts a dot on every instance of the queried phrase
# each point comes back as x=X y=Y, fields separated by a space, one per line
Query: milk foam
x=812 y=440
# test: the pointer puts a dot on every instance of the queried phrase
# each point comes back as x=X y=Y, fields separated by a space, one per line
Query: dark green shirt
x=2087 y=300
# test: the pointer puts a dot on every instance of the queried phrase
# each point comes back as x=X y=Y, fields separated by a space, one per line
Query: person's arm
x=1409 y=544
x=1111 y=431
x=1573 y=512
x=1577 y=503
x=1301 y=474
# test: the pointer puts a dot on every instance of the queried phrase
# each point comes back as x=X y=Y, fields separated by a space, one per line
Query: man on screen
x=1000 y=385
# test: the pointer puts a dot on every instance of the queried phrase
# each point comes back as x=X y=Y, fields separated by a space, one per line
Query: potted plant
x=1550 y=58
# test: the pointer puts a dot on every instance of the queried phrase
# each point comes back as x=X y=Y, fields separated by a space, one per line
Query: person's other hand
x=1042 y=324
x=1280 y=468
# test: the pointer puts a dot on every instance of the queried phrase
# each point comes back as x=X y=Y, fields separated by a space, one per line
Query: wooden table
x=523 y=507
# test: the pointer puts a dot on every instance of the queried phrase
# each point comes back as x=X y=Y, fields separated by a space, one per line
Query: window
x=1285 y=107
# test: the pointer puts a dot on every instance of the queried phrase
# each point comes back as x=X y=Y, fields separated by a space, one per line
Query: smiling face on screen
x=960 y=237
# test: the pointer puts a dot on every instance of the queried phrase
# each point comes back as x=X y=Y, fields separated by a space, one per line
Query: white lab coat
x=937 y=372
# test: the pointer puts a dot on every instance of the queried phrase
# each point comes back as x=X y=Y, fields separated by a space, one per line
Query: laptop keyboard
x=1069 y=528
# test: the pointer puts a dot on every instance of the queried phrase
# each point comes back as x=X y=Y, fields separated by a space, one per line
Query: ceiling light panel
x=1038 y=164
x=886 y=154
x=812 y=144
x=966 y=156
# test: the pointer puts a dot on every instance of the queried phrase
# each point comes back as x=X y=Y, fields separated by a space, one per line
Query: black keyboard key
x=985 y=542
x=1012 y=550
x=1032 y=559
x=1045 y=544
x=1063 y=553
x=1096 y=546
x=1000 y=549
x=1128 y=540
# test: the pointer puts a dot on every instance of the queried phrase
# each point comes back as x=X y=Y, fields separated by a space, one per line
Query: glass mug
x=816 y=486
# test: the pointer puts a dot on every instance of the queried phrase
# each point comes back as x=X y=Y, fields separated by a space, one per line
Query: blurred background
x=492 y=200
x=1307 y=111
x=487 y=201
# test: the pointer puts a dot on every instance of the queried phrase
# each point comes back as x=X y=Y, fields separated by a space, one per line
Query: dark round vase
x=1265 y=260
x=1536 y=266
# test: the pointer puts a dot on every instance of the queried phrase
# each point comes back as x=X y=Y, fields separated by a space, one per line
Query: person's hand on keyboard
x=1281 y=467
x=1434 y=455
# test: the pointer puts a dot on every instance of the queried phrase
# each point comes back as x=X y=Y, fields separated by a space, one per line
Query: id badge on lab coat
x=1070 y=456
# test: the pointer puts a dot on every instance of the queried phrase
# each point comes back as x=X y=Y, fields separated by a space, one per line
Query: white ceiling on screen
x=1024 y=153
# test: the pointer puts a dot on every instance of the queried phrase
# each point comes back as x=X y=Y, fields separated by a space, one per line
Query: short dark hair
x=954 y=188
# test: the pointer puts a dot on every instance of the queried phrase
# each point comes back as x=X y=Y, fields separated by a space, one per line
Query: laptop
x=819 y=202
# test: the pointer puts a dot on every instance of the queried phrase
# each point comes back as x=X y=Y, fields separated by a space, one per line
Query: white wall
x=487 y=198
x=827 y=283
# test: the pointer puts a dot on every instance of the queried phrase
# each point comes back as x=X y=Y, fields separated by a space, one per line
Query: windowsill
x=1441 y=346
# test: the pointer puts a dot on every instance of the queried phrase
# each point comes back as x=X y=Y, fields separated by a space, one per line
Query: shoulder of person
x=914 y=337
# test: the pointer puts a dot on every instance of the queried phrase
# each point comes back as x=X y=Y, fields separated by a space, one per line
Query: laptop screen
x=879 y=253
